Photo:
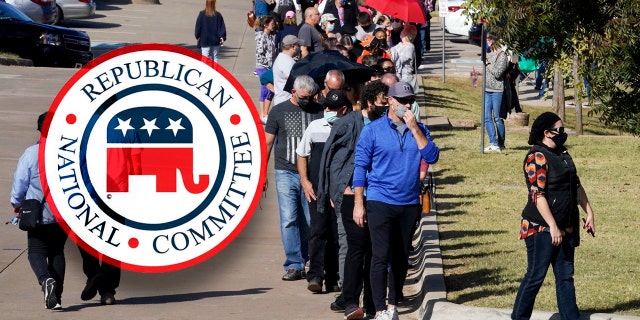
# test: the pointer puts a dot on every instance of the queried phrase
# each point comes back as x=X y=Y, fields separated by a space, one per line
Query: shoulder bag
x=30 y=214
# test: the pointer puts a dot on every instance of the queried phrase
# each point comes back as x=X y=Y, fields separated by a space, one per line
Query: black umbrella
x=317 y=64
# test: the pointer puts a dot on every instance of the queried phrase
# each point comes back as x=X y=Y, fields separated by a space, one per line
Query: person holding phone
x=551 y=219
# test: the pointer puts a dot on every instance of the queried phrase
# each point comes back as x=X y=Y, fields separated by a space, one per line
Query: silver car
x=42 y=11
x=75 y=9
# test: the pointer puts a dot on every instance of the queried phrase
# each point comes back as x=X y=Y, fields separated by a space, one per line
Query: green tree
x=598 y=37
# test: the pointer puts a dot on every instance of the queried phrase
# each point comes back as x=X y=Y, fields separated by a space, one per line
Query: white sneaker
x=492 y=148
x=384 y=315
x=58 y=306
x=393 y=314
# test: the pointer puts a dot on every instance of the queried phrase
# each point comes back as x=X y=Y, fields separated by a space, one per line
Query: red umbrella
x=407 y=10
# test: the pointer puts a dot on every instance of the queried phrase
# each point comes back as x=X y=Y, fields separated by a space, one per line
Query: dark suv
x=45 y=45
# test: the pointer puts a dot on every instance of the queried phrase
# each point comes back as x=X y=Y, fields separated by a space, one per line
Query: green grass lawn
x=480 y=198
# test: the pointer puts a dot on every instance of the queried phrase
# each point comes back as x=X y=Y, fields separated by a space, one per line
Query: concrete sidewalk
x=241 y=282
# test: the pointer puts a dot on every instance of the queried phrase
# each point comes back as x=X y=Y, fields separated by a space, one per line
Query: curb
x=16 y=62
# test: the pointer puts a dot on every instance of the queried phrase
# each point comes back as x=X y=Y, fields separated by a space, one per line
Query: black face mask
x=559 y=139
x=377 y=112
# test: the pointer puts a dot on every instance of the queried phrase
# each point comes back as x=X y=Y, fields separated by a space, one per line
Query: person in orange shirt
x=375 y=45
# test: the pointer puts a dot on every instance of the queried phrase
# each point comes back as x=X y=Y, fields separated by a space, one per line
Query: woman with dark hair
x=210 y=30
x=265 y=55
x=550 y=222
x=496 y=62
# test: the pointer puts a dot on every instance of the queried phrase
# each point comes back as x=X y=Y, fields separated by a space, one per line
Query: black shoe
x=292 y=275
x=333 y=288
x=91 y=288
x=49 y=288
x=338 y=304
x=315 y=285
x=107 y=299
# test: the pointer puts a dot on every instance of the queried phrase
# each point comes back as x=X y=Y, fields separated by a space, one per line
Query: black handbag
x=30 y=214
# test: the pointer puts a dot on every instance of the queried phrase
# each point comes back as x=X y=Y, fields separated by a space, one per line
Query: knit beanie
x=543 y=122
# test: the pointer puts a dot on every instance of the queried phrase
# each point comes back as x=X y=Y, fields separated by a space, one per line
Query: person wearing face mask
x=328 y=25
x=282 y=68
x=550 y=222
x=335 y=184
x=387 y=163
x=374 y=47
x=323 y=238
x=287 y=121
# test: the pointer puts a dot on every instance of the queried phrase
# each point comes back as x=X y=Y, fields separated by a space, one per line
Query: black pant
x=390 y=230
x=46 y=254
x=323 y=245
x=358 y=261
x=109 y=275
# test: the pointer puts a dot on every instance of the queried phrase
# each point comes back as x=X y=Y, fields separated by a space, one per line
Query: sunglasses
x=556 y=130
x=409 y=100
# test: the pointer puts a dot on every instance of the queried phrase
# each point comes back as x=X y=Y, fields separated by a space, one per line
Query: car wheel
x=59 y=15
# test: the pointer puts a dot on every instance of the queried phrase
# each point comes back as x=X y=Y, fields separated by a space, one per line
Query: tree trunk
x=558 y=93
x=577 y=98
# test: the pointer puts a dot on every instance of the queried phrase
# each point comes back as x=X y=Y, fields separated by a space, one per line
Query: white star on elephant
x=124 y=126
x=149 y=126
x=175 y=126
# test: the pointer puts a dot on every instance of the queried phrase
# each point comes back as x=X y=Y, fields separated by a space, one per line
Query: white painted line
x=9 y=76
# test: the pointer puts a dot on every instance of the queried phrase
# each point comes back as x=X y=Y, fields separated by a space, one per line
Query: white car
x=456 y=22
x=75 y=9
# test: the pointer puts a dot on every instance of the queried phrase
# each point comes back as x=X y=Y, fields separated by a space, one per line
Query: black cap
x=543 y=122
x=335 y=99
x=41 y=121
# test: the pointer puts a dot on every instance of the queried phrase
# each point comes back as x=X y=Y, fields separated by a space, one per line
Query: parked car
x=74 y=9
x=475 y=34
x=43 y=11
x=45 y=45
x=456 y=22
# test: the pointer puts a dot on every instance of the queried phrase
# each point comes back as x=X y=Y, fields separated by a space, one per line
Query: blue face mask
x=330 y=27
x=353 y=39
x=331 y=116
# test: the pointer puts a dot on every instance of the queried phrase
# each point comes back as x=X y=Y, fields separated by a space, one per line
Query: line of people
x=349 y=238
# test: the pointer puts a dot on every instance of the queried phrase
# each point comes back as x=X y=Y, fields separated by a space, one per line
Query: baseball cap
x=335 y=99
x=291 y=40
x=400 y=90
x=289 y=14
x=327 y=17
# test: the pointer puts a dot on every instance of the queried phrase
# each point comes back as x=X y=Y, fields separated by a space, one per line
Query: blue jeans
x=540 y=254
x=294 y=219
x=492 y=102
x=211 y=52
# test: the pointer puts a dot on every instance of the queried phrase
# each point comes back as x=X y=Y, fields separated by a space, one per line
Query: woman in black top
x=550 y=220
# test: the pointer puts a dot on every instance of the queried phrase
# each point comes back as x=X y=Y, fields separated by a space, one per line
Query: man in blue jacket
x=387 y=163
